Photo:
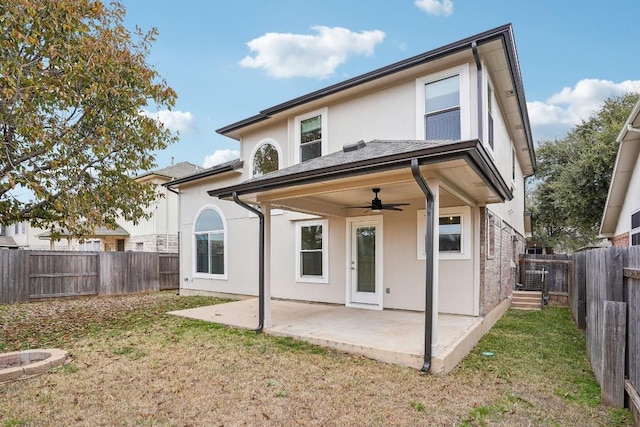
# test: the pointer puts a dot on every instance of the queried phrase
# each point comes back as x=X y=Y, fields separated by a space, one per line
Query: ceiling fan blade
x=393 y=205
x=391 y=208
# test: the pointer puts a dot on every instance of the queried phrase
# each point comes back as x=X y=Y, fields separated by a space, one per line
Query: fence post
x=613 y=354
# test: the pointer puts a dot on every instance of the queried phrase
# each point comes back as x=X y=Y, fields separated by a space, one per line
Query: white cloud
x=220 y=156
x=285 y=55
x=176 y=121
x=436 y=7
x=556 y=116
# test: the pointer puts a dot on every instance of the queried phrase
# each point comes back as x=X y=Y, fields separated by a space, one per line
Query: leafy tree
x=73 y=83
x=573 y=177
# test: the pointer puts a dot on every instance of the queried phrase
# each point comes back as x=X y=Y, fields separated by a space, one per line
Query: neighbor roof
x=98 y=232
x=229 y=166
x=174 y=171
x=372 y=156
x=628 y=151
x=7 y=242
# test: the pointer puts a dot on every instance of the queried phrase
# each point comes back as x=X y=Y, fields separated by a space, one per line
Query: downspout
x=428 y=247
x=260 y=261
x=474 y=50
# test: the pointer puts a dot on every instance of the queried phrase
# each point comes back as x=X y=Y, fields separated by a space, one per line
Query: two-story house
x=402 y=188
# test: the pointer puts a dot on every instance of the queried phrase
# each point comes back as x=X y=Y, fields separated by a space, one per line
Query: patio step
x=527 y=300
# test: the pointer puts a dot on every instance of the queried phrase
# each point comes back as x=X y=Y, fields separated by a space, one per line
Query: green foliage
x=573 y=177
x=73 y=83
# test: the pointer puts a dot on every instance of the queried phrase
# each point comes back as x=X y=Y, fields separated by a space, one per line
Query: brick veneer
x=498 y=264
x=621 y=240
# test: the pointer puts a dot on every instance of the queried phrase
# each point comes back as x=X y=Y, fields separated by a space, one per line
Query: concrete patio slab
x=391 y=336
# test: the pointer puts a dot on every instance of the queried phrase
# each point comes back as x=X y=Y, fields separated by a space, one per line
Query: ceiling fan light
x=376 y=210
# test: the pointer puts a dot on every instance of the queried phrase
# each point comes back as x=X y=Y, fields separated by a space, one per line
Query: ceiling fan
x=377 y=205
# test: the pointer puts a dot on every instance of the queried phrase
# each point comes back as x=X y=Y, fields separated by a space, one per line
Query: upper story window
x=210 y=243
x=490 y=115
x=311 y=135
x=442 y=108
x=266 y=158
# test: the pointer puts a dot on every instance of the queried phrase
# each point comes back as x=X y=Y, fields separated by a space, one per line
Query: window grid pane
x=442 y=94
x=265 y=160
x=311 y=263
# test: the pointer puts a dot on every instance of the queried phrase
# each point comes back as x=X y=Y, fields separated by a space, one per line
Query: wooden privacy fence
x=606 y=300
x=27 y=275
x=551 y=274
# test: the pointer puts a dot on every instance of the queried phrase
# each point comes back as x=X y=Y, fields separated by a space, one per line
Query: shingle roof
x=7 y=242
x=372 y=156
x=98 y=232
x=174 y=171
x=213 y=170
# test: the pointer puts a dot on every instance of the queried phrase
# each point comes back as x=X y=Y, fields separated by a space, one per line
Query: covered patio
x=390 y=336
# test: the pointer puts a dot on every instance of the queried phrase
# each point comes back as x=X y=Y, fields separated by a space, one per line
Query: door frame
x=377 y=221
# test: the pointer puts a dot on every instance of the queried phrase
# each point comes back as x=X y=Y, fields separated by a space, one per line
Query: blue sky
x=225 y=58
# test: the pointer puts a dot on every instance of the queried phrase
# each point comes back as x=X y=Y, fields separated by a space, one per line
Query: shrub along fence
x=605 y=299
x=29 y=275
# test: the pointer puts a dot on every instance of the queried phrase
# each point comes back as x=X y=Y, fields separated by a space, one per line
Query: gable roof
x=7 y=242
x=376 y=155
x=229 y=166
x=503 y=34
x=173 y=171
x=628 y=151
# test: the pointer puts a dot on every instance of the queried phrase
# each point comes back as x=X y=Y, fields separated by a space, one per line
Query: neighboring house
x=446 y=132
x=158 y=233
x=621 y=218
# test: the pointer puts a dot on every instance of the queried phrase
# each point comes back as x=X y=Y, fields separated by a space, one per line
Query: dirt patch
x=154 y=369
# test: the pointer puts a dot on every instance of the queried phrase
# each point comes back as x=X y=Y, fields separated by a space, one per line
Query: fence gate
x=550 y=274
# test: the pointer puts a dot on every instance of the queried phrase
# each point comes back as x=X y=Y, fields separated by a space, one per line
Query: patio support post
x=260 y=260
x=429 y=262
x=265 y=207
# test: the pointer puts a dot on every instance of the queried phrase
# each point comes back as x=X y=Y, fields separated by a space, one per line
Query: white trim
x=325 y=252
x=262 y=142
x=194 y=260
x=323 y=112
x=465 y=107
x=376 y=220
x=464 y=212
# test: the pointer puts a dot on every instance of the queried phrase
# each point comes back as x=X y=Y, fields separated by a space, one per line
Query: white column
x=265 y=207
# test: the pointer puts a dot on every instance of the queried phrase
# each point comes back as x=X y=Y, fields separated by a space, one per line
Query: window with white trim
x=442 y=109
x=490 y=234
x=312 y=251
x=442 y=105
x=311 y=135
x=454 y=233
x=210 y=243
x=265 y=158
x=634 y=239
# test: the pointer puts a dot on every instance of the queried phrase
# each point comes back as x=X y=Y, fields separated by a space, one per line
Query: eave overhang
x=472 y=152
x=503 y=34
x=626 y=159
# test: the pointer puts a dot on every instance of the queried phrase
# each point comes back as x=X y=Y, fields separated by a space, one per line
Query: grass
x=157 y=369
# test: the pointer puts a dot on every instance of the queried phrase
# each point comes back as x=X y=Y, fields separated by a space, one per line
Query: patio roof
x=373 y=157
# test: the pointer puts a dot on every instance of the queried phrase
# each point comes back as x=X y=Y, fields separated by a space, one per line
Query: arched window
x=210 y=238
x=266 y=159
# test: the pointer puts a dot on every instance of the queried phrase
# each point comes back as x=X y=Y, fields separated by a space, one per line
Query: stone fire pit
x=19 y=364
